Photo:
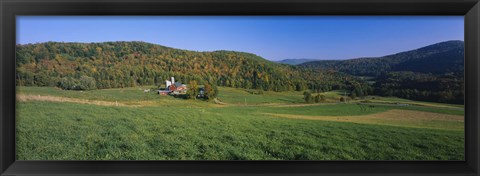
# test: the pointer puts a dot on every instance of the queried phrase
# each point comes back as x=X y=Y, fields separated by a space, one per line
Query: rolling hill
x=438 y=58
x=432 y=73
x=128 y=64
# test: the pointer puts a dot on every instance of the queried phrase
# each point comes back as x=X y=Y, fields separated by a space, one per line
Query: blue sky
x=272 y=37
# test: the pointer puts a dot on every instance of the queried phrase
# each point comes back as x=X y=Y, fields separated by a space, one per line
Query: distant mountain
x=440 y=58
x=295 y=61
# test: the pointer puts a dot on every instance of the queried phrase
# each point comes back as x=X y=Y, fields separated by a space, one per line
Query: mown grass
x=399 y=118
x=196 y=130
x=460 y=112
x=355 y=112
x=329 y=110
x=132 y=95
x=412 y=102
x=243 y=97
x=67 y=131
x=129 y=96
x=349 y=109
x=119 y=94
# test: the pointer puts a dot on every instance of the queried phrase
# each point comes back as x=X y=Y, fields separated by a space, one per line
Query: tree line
x=445 y=88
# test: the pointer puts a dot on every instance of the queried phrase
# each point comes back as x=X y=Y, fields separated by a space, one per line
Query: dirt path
x=394 y=117
x=27 y=97
x=395 y=114
x=387 y=103
x=297 y=105
x=217 y=101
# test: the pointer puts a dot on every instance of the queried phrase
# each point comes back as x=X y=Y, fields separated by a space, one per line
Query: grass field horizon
x=128 y=124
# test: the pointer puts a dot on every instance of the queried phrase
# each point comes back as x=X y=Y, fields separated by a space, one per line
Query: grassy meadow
x=128 y=124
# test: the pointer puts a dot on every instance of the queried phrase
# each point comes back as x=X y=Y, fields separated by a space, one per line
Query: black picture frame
x=468 y=8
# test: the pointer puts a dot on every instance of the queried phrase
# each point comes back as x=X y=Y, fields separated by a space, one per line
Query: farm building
x=173 y=87
x=163 y=92
x=201 y=93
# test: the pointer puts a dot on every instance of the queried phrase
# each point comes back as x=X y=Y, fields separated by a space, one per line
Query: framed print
x=247 y=88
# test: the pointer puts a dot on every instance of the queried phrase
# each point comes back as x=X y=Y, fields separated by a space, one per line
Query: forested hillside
x=445 y=88
x=127 y=64
x=432 y=73
x=438 y=58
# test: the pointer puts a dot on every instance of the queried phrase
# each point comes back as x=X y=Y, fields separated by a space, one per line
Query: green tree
x=193 y=89
x=87 y=83
x=307 y=96
x=210 y=92
x=68 y=83
x=353 y=94
x=359 y=92
x=42 y=79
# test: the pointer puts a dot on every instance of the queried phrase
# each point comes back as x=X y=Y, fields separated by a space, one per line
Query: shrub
x=323 y=98
x=307 y=95
x=68 y=83
x=87 y=83
x=84 y=83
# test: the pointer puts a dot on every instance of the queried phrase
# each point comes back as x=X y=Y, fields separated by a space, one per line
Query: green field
x=243 y=97
x=127 y=124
